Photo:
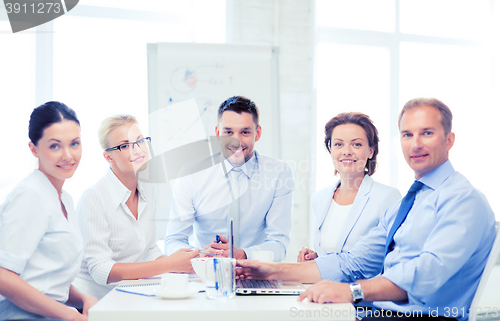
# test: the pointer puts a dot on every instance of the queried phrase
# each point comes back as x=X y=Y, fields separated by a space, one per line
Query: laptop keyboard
x=257 y=284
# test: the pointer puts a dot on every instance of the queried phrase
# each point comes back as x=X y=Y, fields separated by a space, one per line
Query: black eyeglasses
x=126 y=146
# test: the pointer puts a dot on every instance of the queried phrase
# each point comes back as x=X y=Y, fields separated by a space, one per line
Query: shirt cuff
x=403 y=275
x=11 y=262
x=100 y=273
x=329 y=267
x=249 y=250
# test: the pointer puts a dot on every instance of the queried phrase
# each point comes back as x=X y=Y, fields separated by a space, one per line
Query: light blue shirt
x=200 y=207
x=440 y=250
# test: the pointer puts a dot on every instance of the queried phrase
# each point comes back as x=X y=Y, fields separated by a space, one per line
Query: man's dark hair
x=240 y=104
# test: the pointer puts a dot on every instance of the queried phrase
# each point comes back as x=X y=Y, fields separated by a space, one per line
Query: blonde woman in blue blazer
x=349 y=209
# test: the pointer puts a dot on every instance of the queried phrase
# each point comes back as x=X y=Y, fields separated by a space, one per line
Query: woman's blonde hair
x=111 y=123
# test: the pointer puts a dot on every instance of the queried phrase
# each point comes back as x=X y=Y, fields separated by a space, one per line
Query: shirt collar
x=437 y=177
x=120 y=192
x=48 y=184
x=140 y=188
x=247 y=168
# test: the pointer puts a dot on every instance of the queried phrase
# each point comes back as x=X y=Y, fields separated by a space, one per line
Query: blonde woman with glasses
x=117 y=216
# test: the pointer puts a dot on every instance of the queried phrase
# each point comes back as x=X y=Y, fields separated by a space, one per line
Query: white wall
x=288 y=24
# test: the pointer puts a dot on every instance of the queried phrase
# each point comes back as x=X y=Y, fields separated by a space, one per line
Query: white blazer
x=369 y=205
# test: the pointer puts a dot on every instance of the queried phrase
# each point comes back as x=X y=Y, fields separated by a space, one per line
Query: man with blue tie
x=253 y=189
x=426 y=256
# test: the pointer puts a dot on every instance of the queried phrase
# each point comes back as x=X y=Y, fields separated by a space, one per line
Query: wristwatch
x=357 y=292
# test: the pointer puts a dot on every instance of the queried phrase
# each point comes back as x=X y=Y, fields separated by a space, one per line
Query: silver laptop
x=254 y=286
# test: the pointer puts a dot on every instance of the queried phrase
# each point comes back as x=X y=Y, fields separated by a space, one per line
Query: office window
x=461 y=77
x=17 y=83
x=179 y=7
x=99 y=69
x=460 y=19
x=352 y=78
x=446 y=49
x=357 y=14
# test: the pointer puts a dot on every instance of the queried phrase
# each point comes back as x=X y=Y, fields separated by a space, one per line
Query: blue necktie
x=404 y=209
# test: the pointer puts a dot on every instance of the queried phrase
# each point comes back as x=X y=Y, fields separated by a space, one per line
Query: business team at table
x=420 y=253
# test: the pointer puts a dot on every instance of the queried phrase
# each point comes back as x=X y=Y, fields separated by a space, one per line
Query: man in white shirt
x=255 y=190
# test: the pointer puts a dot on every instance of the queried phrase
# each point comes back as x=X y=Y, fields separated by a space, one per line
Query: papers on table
x=146 y=287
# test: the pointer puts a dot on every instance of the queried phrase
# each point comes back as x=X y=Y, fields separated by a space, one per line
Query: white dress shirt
x=332 y=226
x=36 y=241
x=111 y=232
x=200 y=206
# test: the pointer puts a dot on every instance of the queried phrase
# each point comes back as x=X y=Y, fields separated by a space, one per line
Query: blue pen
x=208 y=253
x=217 y=239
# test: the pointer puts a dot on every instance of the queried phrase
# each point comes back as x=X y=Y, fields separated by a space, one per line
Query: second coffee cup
x=174 y=282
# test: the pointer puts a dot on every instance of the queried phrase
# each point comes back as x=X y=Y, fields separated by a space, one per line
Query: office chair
x=492 y=260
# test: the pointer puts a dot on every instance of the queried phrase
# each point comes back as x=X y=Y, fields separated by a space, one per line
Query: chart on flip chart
x=187 y=83
x=209 y=73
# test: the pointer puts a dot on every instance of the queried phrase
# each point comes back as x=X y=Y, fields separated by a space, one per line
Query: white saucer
x=174 y=294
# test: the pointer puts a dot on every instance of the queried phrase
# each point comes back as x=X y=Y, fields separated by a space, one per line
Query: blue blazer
x=369 y=205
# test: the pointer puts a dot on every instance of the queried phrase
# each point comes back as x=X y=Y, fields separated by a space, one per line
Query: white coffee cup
x=174 y=282
x=198 y=264
x=266 y=256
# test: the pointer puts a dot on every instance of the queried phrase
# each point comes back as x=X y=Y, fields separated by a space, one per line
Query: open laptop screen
x=230 y=238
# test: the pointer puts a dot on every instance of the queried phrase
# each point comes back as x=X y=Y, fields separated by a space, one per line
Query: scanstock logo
x=28 y=14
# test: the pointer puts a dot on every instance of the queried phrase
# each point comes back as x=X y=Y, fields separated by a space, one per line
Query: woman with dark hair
x=40 y=250
x=346 y=211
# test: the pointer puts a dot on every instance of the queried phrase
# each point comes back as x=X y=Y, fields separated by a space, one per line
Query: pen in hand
x=217 y=240
x=209 y=253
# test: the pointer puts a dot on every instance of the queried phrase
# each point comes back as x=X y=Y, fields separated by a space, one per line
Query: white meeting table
x=131 y=307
